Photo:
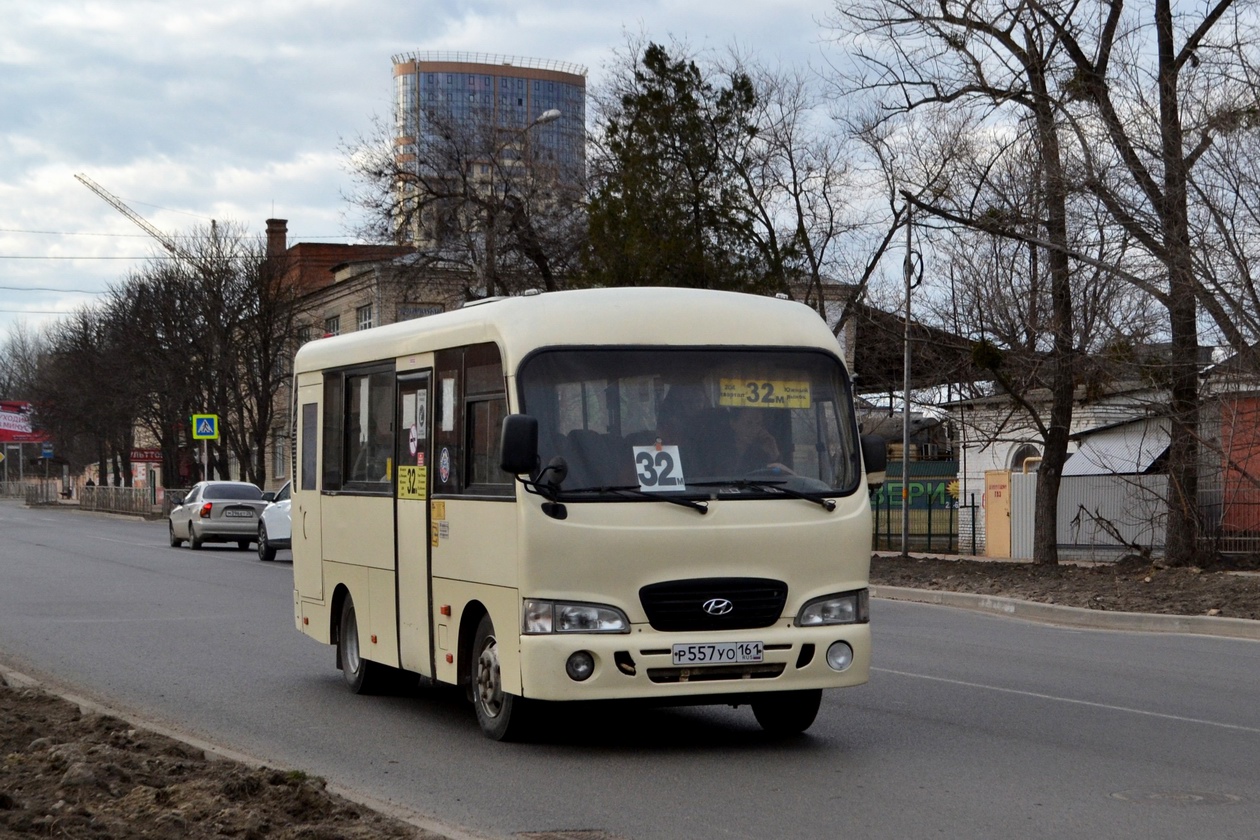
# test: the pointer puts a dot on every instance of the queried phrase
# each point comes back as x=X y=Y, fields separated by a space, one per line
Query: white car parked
x=274 y=526
x=217 y=511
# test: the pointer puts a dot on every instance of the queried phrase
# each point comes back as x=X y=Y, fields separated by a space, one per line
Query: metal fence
x=133 y=500
x=933 y=512
x=933 y=527
x=1231 y=515
x=42 y=492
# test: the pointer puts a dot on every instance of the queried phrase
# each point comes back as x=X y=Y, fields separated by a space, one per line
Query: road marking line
x=1090 y=703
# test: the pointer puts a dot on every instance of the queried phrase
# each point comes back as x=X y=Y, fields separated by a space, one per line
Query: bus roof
x=591 y=317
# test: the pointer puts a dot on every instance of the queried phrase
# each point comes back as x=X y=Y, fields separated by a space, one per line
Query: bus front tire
x=787 y=712
x=362 y=676
x=499 y=714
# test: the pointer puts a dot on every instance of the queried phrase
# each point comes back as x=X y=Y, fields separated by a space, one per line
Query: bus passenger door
x=308 y=549
x=415 y=647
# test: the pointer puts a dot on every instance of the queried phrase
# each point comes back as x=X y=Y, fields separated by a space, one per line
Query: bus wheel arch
x=474 y=611
x=501 y=716
x=362 y=675
x=334 y=619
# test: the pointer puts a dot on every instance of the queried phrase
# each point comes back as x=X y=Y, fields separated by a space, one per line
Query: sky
x=240 y=109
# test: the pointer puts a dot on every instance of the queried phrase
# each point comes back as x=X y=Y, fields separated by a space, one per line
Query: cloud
x=238 y=109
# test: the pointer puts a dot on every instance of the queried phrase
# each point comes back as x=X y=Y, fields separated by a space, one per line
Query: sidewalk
x=1233 y=628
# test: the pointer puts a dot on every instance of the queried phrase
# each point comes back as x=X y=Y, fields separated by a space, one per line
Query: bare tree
x=210 y=331
x=19 y=360
x=474 y=195
x=984 y=59
x=1151 y=91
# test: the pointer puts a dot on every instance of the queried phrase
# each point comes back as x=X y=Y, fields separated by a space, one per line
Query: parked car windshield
x=694 y=421
x=232 y=492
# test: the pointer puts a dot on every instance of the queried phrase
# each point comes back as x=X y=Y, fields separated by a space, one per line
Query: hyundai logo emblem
x=717 y=606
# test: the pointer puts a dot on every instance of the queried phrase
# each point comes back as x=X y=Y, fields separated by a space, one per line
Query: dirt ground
x=65 y=773
x=1229 y=589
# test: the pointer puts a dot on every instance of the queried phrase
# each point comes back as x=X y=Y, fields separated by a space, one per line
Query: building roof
x=310 y=264
x=1120 y=449
x=501 y=63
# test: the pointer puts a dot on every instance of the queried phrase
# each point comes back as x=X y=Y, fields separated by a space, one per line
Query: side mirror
x=874 y=458
x=176 y=501
x=269 y=496
x=518 y=446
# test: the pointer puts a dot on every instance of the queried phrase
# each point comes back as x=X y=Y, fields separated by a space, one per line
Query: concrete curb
x=1204 y=625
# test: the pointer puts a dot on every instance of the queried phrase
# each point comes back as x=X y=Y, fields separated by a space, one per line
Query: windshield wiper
x=769 y=486
x=630 y=489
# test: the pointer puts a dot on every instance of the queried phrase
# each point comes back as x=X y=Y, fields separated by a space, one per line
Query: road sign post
x=205 y=428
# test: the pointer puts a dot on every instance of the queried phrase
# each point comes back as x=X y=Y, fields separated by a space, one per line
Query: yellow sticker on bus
x=764 y=393
x=412 y=481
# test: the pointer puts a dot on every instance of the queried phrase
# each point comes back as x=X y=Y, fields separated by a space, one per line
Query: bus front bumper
x=641 y=664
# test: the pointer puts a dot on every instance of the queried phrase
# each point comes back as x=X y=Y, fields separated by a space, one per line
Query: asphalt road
x=972 y=726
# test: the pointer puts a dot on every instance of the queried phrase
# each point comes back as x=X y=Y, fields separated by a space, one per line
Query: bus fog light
x=839 y=656
x=580 y=666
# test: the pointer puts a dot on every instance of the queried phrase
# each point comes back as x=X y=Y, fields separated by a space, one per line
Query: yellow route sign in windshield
x=764 y=393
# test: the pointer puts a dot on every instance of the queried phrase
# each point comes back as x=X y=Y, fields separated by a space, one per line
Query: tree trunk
x=1182 y=379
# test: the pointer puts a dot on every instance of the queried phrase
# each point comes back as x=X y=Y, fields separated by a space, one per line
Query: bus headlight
x=542 y=617
x=845 y=608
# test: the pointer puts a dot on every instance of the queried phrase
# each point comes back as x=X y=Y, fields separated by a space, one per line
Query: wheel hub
x=489 y=684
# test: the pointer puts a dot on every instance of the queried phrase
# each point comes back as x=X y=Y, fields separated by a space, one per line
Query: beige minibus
x=624 y=494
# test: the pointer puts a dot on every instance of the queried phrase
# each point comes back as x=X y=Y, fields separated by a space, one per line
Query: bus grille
x=679 y=605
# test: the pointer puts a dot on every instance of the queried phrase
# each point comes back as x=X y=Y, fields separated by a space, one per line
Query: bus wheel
x=362 y=676
x=499 y=714
x=787 y=712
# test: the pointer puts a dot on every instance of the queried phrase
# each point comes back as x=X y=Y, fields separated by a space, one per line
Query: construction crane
x=117 y=203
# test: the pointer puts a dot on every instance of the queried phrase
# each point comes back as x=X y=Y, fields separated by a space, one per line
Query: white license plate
x=241 y=514
x=718 y=653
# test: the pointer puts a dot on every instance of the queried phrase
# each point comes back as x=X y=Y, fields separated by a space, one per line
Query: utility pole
x=908 y=267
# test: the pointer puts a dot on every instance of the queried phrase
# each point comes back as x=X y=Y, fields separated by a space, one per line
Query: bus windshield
x=696 y=421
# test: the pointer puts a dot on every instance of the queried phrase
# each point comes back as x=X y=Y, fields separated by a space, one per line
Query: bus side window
x=310 y=432
x=334 y=408
x=448 y=428
x=485 y=423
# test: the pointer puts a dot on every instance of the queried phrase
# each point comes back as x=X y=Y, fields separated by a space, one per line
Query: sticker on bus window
x=411 y=482
x=659 y=468
x=764 y=393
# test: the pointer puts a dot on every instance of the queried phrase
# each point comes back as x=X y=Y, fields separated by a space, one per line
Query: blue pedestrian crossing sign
x=205 y=426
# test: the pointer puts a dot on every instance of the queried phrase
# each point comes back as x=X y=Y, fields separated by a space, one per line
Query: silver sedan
x=217 y=511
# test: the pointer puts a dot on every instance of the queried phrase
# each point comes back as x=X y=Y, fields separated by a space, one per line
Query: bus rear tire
x=362 y=676
x=787 y=712
x=500 y=715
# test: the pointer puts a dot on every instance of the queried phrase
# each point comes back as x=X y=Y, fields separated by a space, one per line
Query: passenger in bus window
x=686 y=420
x=755 y=447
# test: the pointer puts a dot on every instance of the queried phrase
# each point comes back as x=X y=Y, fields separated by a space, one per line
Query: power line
x=46 y=257
x=145 y=236
x=50 y=289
